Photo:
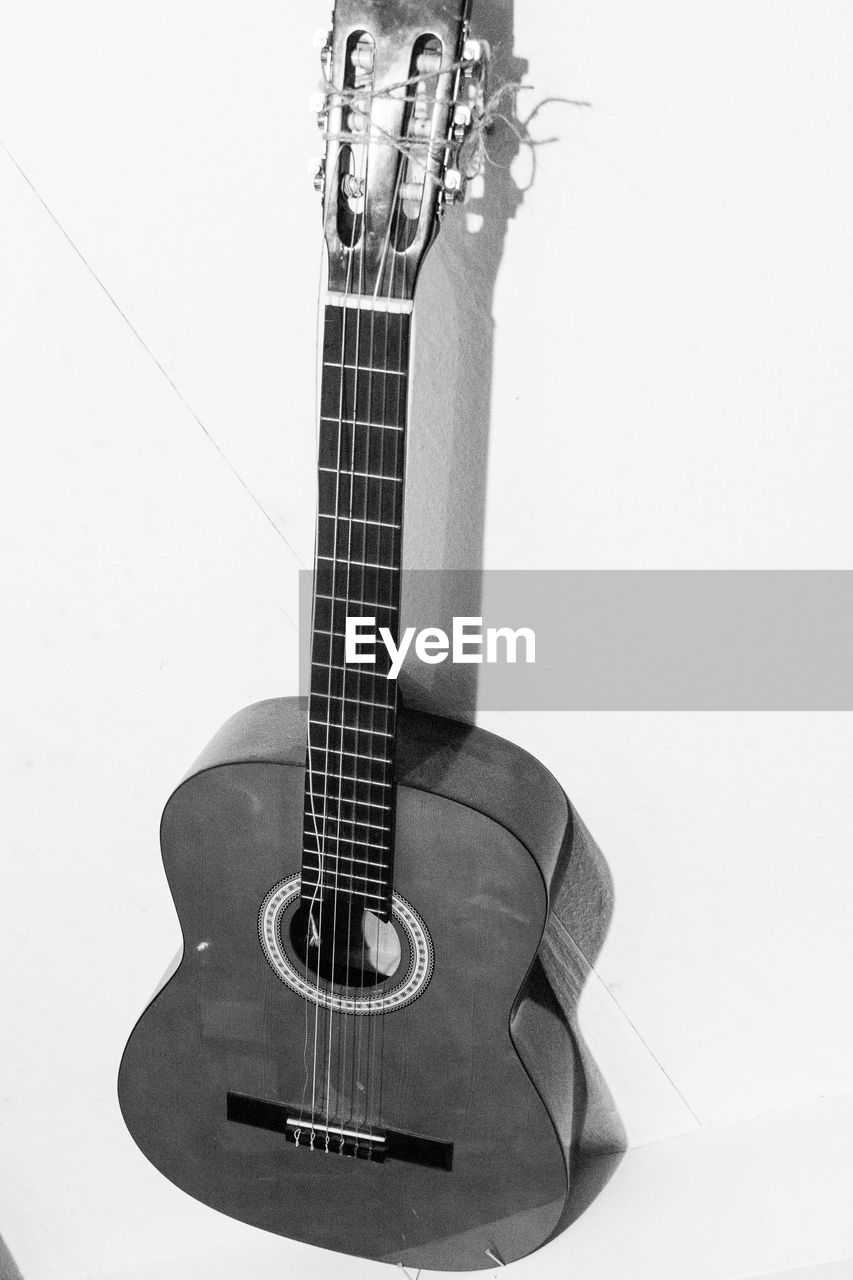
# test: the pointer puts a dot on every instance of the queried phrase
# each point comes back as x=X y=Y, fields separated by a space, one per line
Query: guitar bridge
x=311 y=1133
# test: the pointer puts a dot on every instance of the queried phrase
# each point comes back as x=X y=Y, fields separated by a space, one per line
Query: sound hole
x=349 y=946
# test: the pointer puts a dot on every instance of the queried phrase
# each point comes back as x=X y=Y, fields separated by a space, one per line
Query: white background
x=661 y=379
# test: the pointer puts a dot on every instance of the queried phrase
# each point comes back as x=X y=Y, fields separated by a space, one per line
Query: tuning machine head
x=316 y=168
x=468 y=122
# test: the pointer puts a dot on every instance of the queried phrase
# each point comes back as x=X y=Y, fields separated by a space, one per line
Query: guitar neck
x=349 y=781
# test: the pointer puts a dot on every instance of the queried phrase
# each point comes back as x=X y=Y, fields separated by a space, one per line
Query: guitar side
x=480 y=1063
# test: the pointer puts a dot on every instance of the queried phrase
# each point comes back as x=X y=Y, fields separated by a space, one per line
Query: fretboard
x=349 y=782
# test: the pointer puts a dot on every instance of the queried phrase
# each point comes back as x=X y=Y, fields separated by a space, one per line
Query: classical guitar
x=358 y=1048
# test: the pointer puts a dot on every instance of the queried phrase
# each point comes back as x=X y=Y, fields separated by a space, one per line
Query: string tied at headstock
x=462 y=151
x=402 y=112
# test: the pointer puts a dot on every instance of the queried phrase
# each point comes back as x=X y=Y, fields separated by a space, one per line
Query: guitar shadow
x=445 y=518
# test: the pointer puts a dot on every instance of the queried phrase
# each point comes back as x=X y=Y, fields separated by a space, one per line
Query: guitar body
x=479 y=1062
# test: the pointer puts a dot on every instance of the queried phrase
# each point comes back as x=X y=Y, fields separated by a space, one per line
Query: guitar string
x=376 y=1025
x=322 y=841
x=372 y=745
x=358 y=691
x=381 y=511
x=320 y=326
x=360 y=225
x=347 y=1119
x=372 y=734
x=405 y=144
x=369 y=437
x=396 y=537
x=352 y=1118
x=321 y=856
x=381 y=505
x=319 y=837
x=317 y=894
x=404 y=324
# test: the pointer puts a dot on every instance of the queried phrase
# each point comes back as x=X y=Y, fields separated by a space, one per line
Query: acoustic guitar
x=357 y=1046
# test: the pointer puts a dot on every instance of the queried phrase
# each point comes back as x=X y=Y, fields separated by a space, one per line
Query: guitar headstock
x=403 y=95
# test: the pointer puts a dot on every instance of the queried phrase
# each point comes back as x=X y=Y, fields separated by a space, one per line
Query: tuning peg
x=320 y=37
x=473 y=223
x=453 y=183
x=316 y=167
x=362 y=56
x=472 y=50
x=318 y=106
x=476 y=187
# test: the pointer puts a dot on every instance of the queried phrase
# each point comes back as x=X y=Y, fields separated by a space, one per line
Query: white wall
x=671 y=387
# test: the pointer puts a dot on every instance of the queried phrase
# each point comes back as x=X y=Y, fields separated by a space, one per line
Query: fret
x=350 y=703
x=333 y=616
x=340 y=697
x=380 y=524
x=354 y=606
x=355 y=699
x=351 y=822
x=348 y=819
x=318 y=791
x=374 y=450
x=329 y=737
x=336 y=751
x=313 y=868
x=368 y=369
x=341 y=635
x=358 y=564
x=354 y=891
x=343 y=607
x=329 y=656
x=375 y=338
x=351 y=668
x=364 y=475
x=336 y=421
x=356 y=728
x=314 y=862
x=343 y=495
x=366 y=804
x=342 y=842
x=359 y=520
x=329 y=647
x=361 y=448
x=346 y=736
x=362 y=844
x=353 y=755
x=345 y=777
x=349 y=875
x=357 y=546
x=346 y=681
x=349 y=393
x=330 y=643
x=351 y=604
x=353 y=729
x=357 y=583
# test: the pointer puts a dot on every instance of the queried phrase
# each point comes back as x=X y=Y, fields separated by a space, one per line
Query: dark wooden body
x=480 y=1059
